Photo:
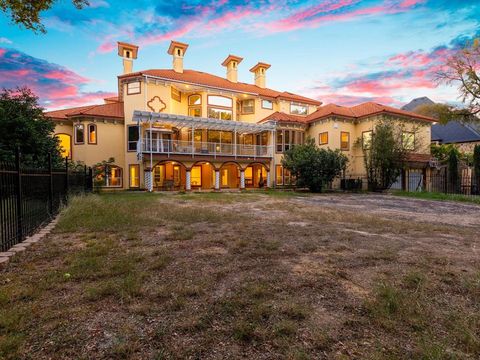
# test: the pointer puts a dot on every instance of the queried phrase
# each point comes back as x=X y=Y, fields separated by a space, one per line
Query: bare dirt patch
x=217 y=276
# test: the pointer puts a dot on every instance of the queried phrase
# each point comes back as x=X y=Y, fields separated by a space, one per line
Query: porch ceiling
x=200 y=122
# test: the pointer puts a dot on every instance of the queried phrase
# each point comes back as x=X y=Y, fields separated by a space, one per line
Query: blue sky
x=346 y=51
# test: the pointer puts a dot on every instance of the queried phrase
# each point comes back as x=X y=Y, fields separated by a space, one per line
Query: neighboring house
x=464 y=136
x=186 y=129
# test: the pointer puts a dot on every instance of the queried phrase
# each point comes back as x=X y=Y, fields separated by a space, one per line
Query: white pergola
x=239 y=127
x=181 y=121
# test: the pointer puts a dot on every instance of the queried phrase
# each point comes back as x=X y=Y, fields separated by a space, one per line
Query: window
x=408 y=140
x=279 y=174
x=196 y=176
x=133 y=88
x=108 y=176
x=219 y=114
x=134 y=172
x=283 y=176
x=288 y=138
x=267 y=104
x=133 y=137
x=248 y=106
x=298 y=109
x=92 y=133
x=344 y=140
x=323 y=138
x=366 y=139
x=197 y=135
x=220 y=101
x=195 y=105
x=175 y=94
x=216 y=136
x=79 y=134
x=195 y=100
x=65 y=143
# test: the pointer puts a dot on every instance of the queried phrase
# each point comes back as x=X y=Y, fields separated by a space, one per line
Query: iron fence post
x=50 y=188
x=85 y=179
x=66 y=179
x=19 y=196
x=90 y=179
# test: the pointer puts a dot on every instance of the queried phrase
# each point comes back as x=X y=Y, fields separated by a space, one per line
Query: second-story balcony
x=181 y=147
x=151 y=125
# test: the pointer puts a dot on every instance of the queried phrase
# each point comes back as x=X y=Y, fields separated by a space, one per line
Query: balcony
x=181 y=147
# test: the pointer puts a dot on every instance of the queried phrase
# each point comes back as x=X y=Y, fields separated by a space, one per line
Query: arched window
x=92 y=133
x=65 y=144
x=195 y=105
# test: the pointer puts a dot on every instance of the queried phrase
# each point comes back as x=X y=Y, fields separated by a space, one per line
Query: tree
x=27 y=12
x=476 y=168
x=461 y=69
x=453 y=177
x=100 y=171
x=24 y=125
x=442 y=112
x=385 y=156
x=314 y=167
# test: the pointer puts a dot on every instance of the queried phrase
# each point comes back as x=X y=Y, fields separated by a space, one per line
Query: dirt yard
x=255 y=276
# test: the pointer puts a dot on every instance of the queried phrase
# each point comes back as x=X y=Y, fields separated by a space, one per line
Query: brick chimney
x=177 y=50
x=259 y=70
x=128 y=52
x=231 y=63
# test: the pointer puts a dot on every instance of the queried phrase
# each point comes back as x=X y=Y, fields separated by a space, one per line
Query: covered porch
x=184 y=175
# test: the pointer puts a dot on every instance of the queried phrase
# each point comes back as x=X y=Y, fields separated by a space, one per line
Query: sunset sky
x=345 y=51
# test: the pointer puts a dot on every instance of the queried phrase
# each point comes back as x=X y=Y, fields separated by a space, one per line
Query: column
x=268 y=179
x=188 y=184
x=217 y=179
x=242 y=179
x=148 y=180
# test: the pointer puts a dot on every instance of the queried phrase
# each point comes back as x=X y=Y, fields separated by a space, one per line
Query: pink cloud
x=55 y=85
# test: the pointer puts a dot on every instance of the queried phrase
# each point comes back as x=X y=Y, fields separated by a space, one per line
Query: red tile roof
x=282 y=117
x=113 y=110
x=362 y=110
x=204 y=79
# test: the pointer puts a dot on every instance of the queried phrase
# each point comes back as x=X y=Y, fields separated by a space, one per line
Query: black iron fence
x=465 y=182
x=31 y=197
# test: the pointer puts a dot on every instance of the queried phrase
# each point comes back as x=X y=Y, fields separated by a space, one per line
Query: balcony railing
x=159 y=146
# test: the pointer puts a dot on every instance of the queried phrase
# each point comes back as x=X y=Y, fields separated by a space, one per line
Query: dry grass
x=264 y=276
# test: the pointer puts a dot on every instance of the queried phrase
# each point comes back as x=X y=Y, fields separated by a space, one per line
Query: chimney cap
x=260 y=65
x=177 y=44
x=126 y=46
x=231 y=57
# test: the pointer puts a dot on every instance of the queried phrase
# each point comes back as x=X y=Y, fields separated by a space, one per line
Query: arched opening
x=256 y=175
x=202 y=176
x=169 y=176
x=230 y=175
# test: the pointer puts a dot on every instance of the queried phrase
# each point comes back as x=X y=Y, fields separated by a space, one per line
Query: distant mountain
x=417 y=102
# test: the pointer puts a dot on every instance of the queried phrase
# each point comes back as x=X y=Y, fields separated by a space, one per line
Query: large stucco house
x=186 y=129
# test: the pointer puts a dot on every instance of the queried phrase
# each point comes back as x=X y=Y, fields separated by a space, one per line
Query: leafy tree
x=385 y=156
x=314 y=167
x=24 y=125
x=461 y=69
x=442 y=112
x=453 y=175
x=27 y=12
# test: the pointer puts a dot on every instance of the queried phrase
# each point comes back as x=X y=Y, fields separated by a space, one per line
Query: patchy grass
x=439 y=196
x=253 y=275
